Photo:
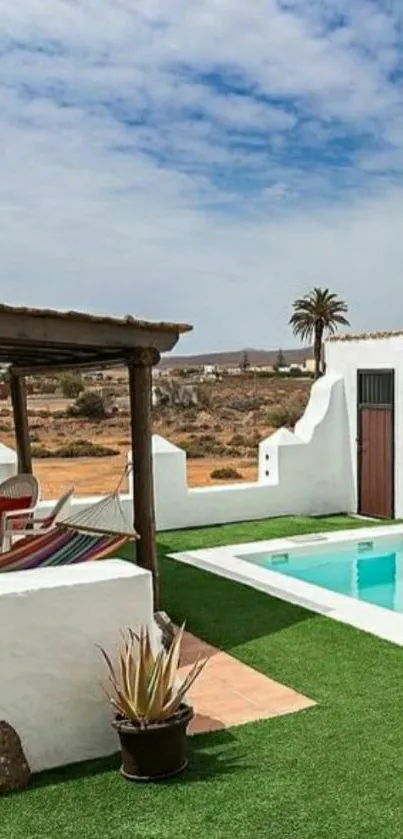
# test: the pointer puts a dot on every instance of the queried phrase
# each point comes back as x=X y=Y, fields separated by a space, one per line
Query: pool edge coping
x=226 y=562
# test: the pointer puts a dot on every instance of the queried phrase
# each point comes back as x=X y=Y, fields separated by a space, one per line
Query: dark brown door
x=376 y=443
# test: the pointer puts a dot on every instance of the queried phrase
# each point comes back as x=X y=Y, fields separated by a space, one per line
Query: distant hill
x=234 y=358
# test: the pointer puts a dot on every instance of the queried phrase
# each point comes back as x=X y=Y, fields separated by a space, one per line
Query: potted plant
x=151 y=712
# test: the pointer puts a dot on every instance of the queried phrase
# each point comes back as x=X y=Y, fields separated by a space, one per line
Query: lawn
x=332 y=772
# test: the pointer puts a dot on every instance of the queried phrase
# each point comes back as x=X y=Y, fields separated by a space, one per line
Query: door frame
x=391 y=408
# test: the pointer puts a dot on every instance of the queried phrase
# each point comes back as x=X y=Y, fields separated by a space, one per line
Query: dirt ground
x=93 y=476
x=223 y=431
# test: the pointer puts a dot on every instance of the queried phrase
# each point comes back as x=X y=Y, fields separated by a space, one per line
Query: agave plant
x=144 y=685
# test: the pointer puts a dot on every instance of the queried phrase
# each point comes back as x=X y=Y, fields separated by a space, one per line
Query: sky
x=204 y=161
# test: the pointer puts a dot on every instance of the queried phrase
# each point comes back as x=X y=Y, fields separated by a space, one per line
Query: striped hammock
x=61 y=546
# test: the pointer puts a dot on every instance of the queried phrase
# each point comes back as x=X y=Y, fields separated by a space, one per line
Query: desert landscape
x=220 y=433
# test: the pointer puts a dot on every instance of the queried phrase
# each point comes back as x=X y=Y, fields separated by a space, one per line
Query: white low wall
x=51 y=620
x=8 y=462
x=305 y=472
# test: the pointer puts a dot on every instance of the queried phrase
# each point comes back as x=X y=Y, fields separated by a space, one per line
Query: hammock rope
x=105 y=516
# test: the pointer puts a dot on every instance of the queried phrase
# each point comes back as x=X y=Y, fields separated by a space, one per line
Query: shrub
x=287 y=416
x=226 y=473
x=82 y=448
x=219 y=449
x=234 y=451
x=192 y=448
x=203 y=446
x=90 y=405
x=72 y=385
x=187 y=427
x=243 y=403
x=207 y=439
x=238 y=440
x=41 y=452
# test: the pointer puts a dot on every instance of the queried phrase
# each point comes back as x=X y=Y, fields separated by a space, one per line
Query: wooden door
x=376 y=472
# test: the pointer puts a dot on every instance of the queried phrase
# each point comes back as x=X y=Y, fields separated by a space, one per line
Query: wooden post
x=19 y=403
x=140 y=386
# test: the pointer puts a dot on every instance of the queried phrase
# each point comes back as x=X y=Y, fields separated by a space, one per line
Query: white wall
x=50 y=622
x=306 y=472
x=8 y=463
x=345 y=358
x=309 y=472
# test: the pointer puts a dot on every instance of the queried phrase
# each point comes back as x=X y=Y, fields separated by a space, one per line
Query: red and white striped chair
x=35 y=526
x=19 y=496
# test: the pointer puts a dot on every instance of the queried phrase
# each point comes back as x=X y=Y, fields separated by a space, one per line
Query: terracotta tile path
x=229 y=693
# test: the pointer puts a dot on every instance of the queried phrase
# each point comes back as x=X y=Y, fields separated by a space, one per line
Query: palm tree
x=316 y=313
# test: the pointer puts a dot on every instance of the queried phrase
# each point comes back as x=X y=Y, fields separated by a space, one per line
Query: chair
x=34 y=526
x=97 y=532
x=18 y=495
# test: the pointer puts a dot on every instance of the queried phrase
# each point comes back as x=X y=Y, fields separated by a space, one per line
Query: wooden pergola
x=35 y=341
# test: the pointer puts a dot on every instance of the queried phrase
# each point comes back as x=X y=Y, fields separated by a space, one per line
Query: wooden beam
x=19 y=403
x=51 y=330
x=140 y=388
x=48 y=369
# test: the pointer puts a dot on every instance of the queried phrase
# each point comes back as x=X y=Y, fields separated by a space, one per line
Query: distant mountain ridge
x=234 y=358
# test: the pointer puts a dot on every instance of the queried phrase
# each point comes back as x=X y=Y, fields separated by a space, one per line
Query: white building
x=371 y=368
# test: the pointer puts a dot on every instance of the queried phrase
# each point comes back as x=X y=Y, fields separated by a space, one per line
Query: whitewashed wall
x=345 y=358
x=51 y=620
x=8 y=462
x=309 y=472
x=305 y=472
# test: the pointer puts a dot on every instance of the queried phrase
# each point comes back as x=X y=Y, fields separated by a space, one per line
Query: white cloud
x=134 y=178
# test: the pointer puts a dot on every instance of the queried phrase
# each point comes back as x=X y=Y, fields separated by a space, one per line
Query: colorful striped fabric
x=61 y=546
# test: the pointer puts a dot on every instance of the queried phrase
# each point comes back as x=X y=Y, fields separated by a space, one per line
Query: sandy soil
x=93 y=476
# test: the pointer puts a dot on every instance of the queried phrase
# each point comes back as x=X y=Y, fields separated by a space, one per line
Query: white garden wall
x=8 y=462
x=51 y=620
x=306 y=472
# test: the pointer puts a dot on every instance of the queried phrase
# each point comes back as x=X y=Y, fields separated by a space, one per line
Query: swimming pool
x=368 y=571
x=353 y=576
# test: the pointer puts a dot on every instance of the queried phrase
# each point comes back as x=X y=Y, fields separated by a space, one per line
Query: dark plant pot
x=156 y=751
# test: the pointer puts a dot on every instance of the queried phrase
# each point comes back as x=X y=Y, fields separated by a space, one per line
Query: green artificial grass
x=331 y=772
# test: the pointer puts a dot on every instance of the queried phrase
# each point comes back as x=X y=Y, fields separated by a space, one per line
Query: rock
x=15 y=773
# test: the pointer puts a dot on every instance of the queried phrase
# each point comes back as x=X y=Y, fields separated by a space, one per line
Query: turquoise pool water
x=370 y=571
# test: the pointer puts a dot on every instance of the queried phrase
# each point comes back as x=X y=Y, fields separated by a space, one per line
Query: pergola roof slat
x=38 y=338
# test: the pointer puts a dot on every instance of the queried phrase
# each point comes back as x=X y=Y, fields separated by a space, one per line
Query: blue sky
x=203 y=160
